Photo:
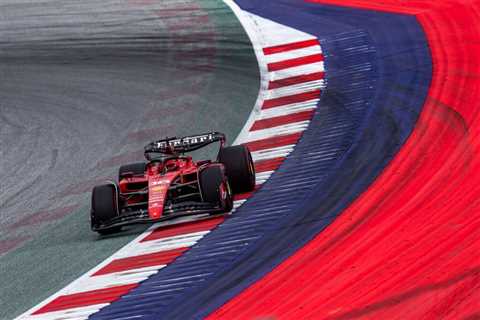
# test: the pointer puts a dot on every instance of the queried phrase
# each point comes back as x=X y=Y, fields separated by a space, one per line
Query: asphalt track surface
x=83 y=86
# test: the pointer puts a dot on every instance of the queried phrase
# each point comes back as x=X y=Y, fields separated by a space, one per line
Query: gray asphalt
x=83 y=86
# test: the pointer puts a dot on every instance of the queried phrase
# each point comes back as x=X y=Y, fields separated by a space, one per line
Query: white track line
x=277 y=131
x=288 y=109
x=282 y=151
x=164 y=244
x=297 y=71
x=296 y=88
x=70 y=314
x=116 y=279
x=292 y=54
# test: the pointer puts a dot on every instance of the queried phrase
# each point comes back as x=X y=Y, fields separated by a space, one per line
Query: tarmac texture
x=84 y=85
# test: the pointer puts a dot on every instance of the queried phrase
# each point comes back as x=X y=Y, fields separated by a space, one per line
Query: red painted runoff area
x=408 y=247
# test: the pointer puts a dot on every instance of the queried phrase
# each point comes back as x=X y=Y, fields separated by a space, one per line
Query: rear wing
x=176 y=145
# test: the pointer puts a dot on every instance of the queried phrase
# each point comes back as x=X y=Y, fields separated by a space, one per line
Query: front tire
x=215 y=187
x=239 y=168
x=104 y=207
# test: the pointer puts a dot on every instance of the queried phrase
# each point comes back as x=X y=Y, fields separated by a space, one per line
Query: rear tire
x=131 y=169
x=104 y=207
x=239 y=168
x=215 y=187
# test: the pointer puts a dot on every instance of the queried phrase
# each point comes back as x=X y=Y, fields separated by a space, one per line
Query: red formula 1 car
x=170 y=184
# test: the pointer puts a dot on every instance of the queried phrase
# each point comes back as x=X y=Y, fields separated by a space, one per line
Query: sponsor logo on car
x=185 y=141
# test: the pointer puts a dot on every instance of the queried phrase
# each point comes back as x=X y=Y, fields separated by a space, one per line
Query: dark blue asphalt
x=378 y=72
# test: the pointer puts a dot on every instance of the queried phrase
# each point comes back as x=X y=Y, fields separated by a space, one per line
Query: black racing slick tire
x=239 y=168
x=131 y=169
x=104 y=207
x=215 y=188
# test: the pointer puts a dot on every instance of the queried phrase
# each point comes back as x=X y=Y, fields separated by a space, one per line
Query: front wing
x=141 y=215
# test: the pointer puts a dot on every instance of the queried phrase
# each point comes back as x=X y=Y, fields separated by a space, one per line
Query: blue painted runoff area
x=378 y=70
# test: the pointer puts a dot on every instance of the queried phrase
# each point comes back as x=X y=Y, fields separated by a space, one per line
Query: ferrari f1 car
x=171 y=184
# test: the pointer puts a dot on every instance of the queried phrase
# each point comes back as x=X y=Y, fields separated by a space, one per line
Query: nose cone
x=155 y=210
x=157 y=193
